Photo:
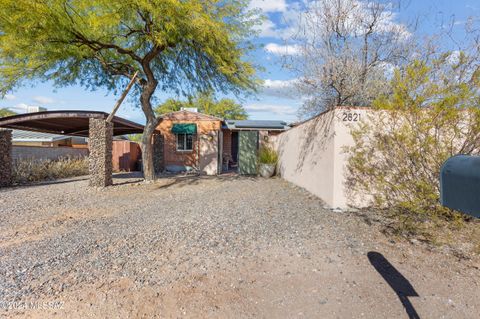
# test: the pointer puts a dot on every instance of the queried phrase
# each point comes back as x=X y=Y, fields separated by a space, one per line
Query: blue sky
x=276 y=101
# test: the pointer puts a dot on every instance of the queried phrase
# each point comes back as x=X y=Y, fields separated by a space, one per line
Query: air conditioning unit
x=190 y=109
x=35 y=109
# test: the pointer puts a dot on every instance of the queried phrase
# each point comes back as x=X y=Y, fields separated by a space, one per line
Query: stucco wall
x=52 y=153
x=311 y=155
x=306 y=155
x=209 y=153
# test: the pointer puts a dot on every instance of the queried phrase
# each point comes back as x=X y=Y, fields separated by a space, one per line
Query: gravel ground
x=213 y=247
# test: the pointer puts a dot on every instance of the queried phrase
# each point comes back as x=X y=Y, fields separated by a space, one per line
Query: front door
x=247 y=153
x=235 y=147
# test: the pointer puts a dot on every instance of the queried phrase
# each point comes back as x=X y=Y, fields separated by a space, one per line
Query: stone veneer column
x=158 y=162
x=100 y=158
x=5 y=158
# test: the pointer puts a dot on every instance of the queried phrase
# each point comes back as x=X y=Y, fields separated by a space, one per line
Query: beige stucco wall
x=209 y=153
x=312 y=155
x=306 y=156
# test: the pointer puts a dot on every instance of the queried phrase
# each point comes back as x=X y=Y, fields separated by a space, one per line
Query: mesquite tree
x=345 y=50
x=176 y=45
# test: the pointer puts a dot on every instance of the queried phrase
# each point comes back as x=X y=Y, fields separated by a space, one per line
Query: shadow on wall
x=396 y=280
x=312 y=138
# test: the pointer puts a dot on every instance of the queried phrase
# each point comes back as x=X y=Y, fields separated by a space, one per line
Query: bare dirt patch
x=215 y=247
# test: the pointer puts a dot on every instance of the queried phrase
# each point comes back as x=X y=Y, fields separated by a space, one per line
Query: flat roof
x=73 y=123
x=28 y=136
x=255 y=125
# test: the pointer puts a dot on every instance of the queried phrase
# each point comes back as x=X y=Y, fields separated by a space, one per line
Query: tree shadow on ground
x=187 y=180
x=396 y=280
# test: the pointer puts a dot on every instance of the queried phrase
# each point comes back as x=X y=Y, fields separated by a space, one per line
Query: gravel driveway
x=212 y=247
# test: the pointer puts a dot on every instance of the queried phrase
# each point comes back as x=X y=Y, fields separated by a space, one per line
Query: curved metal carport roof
x=75 y=123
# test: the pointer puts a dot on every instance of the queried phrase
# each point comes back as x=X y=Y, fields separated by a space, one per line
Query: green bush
x=33 y=170
x=267 y=155
x=431 y=115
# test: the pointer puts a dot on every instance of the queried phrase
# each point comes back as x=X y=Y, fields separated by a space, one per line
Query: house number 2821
x=350 y=117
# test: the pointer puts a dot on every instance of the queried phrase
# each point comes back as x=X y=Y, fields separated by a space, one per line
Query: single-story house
x=212 y=145
x=30 y=138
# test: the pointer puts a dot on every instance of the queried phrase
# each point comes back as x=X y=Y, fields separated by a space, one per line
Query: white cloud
x=278 y=49
x=287 y=18
x=43 y=100
x=267 y=29
x=269 y=5
x=271 y=108
x=10 y=97
x=281 y=88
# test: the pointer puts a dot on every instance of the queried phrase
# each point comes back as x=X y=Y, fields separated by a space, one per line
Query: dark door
x=247 y=155
x=235 y=147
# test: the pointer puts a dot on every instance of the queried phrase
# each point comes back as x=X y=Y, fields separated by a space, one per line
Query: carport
x=91 y=124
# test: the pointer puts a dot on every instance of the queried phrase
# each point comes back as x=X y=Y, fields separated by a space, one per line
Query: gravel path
x=211 y=247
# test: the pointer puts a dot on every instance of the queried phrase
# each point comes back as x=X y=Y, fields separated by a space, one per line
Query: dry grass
x=459 y=232
x=33 y=170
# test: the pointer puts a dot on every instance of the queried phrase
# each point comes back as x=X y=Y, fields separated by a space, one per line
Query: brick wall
x=205 y=125
x=227 y=142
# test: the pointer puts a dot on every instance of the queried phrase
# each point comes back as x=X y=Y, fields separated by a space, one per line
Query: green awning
x=184 y=128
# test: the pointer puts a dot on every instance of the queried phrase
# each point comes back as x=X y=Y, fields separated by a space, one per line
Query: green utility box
x=460 y=184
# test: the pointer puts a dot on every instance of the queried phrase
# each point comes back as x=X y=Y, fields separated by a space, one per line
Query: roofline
x=331 y=109
x=255 y=129
x=41 y=139
x=213 y=118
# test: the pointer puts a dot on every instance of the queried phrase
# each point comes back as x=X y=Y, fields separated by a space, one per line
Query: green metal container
x=460 y=184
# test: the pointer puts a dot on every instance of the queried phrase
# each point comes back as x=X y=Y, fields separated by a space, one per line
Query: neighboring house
x=35 y=145
x=29 y=138
x=212 y=145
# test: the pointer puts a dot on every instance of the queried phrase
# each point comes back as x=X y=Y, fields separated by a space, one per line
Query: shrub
x=431 y=115
x=34 y=170
x=267 y=155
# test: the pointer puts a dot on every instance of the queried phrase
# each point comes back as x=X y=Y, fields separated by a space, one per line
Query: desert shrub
x=432 y=114
x=267 y=155
x=34 y=170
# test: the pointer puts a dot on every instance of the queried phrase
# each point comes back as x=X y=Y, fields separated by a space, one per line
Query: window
x=184 y=142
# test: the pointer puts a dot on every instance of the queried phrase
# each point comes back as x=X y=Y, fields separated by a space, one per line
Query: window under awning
x=184 y=128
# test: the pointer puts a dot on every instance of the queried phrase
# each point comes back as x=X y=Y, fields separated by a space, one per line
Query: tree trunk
x=152 y=121
x=147 y=151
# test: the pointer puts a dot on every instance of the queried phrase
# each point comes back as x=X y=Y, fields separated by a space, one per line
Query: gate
x=247 y=153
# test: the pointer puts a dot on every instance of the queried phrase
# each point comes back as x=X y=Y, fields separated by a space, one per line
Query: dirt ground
x=226 y=247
